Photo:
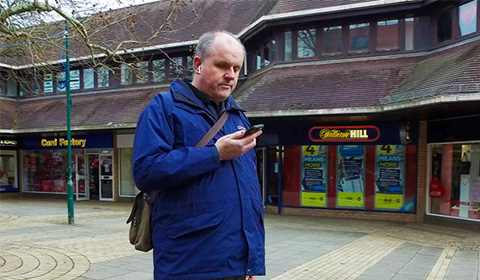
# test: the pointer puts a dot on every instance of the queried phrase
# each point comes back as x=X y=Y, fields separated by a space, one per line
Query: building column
x=422 y=171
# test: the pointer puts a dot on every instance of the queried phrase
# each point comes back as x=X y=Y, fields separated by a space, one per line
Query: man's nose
x=230 y=73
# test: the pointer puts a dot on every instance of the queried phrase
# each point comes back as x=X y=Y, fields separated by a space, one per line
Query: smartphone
x=253 y=129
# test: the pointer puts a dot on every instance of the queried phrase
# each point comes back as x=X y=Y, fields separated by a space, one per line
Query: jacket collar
x=182 y=93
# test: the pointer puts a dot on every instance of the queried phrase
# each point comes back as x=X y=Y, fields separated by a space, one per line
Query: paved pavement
x=36 y=242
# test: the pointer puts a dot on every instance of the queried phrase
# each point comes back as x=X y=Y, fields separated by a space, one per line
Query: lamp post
x=70 y=199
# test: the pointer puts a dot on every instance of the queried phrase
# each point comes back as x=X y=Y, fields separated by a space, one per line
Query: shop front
x=8 y=164
x=354 y=168
x=454 y=169
x=44 y=166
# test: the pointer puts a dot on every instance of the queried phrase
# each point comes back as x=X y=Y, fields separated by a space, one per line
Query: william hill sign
x=366 y=133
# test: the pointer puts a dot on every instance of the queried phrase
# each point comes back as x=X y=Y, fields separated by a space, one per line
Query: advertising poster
x=390 y=177
x=350 y=176
x=314 y=176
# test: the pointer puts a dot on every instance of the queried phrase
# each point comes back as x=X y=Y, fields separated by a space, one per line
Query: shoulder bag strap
x=213 y=131
x=206 y=138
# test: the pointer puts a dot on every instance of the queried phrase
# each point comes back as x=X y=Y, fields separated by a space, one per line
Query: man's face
x=219 y=72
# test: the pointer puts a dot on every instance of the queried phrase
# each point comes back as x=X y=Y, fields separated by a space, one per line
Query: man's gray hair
x=205 y=42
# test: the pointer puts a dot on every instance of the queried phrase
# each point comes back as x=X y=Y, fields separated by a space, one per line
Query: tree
x=32 y=32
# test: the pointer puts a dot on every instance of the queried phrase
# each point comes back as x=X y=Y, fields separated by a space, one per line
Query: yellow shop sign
x=63 y=142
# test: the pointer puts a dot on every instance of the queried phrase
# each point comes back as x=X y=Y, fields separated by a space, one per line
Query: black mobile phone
x=253 y=129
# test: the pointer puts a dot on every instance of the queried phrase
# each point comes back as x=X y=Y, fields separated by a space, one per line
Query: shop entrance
x=81 y=178
x=106 y=176
x=94 y=176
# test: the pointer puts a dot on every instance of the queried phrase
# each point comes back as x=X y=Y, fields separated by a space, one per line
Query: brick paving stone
x=36 y=242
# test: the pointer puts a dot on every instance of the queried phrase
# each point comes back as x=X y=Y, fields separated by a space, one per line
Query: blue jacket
x=208 y=218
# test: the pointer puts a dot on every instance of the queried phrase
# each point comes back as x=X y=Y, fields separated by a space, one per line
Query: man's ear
x=197 y=62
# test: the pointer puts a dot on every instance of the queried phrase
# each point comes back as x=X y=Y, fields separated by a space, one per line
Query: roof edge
x=261 y=20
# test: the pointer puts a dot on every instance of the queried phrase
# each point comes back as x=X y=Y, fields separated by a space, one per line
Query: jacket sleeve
x=156 y=164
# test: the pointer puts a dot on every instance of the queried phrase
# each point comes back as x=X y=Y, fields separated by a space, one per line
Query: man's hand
x=233 y=145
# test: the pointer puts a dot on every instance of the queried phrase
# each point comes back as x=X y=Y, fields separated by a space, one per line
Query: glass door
x=106 y=176
x=81 y=178
x=94 y=172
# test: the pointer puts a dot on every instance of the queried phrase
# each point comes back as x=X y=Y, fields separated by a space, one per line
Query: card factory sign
x=344 y=133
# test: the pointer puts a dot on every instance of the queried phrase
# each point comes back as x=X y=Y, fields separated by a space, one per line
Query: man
x=207 y=222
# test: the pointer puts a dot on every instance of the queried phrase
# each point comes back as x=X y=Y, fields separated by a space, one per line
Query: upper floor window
x=258 y=60
x=306 y=43
x=48 y=83
x=387 y=35
x=332 y=40
x=467 y=19
x=288 y=45
x=409 y=33
x=444 y=25
x=88 y=79
x=176 y=68
x=23 y=90
x=142 y=72
x=125 y=75
x=266 y=55
x=103 y=75
x=2 y=87
x=11 y=88
x=159 y=70
x=190 y=66
x=74 y=81
x=359 y=37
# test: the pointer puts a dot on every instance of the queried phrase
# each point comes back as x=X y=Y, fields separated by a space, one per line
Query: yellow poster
x=350 y=199
x=388 y=201
x=313 y=199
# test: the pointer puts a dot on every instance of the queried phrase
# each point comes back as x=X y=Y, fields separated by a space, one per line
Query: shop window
x=444 y=25
x=2 y=87
x=306 y=43
x=454 y=187
x=288 y=46
x=74 y=81
x=351 y=176
x=467 y=19
x=103 y=76
x=390 y=177
x=409 y=34
x=359 y=37
x=44 y=171
x=387 y=35
x=141 y=72
x=159 y=70
x=88 y=79
x=332 y=40
x=48 y=83
x=125 y=75
x=176 y=68
x=8 y=171
x=127 y=185
x=314 y=176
